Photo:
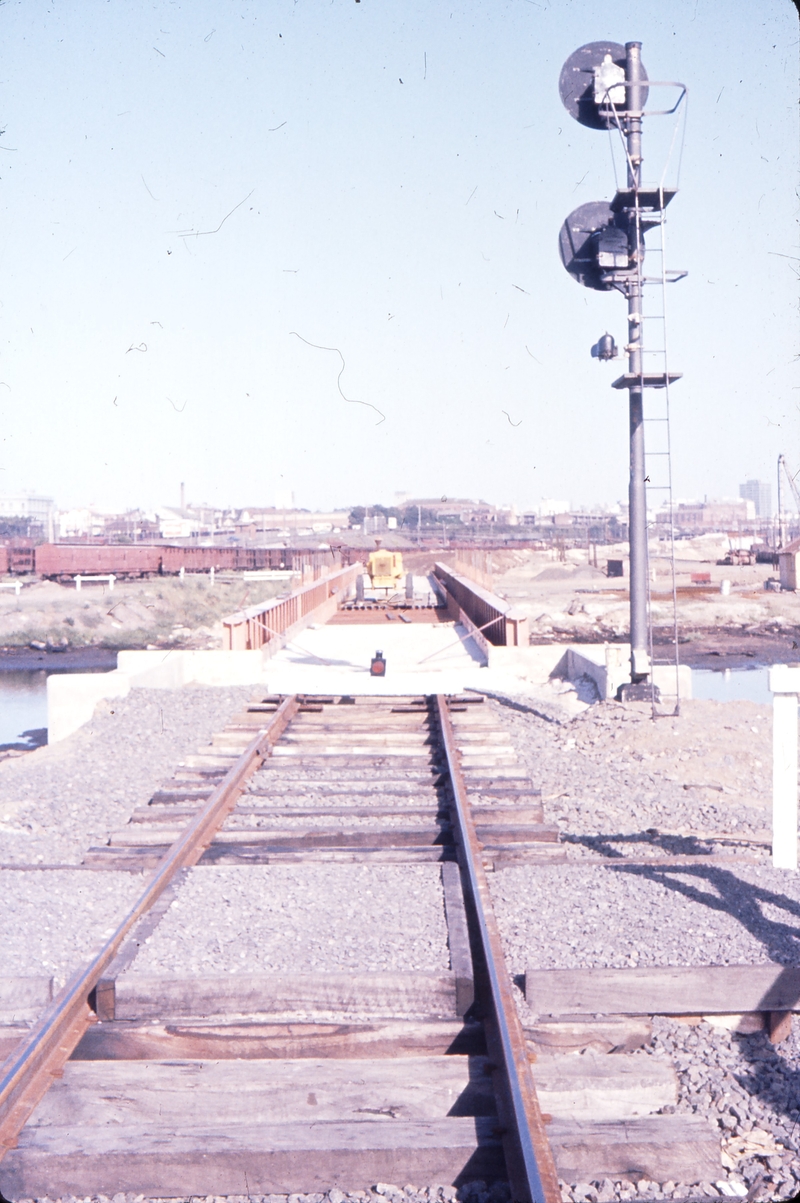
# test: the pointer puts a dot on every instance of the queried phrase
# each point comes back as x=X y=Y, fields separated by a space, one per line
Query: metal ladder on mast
x=658 y=450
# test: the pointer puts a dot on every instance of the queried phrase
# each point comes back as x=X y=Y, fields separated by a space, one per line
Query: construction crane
x=795 y=494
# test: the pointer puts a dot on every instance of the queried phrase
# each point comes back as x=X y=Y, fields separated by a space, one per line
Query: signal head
x=591 y=84
x=591 y=244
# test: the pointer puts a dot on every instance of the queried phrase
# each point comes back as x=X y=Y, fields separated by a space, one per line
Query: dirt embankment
x=571 y=600
x=136 y=614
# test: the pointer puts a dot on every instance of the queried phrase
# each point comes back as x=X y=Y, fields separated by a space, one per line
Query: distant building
x=547 y=507
x=35 y=511
x=787 y=563
x=81 y=522
x=172 y=524
x=760 y=493
x=713 y=515
x=455 y=509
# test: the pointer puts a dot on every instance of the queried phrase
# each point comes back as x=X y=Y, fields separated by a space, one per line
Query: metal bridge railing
x=500 y=623
x=250 y=629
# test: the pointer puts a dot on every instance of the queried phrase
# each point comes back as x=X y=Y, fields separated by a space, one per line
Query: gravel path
x=261 y=918
x=572 y=916
x=51 y=920
x=59 y=800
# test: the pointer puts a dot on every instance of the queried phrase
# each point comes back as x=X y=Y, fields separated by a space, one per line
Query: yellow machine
x=385 y=568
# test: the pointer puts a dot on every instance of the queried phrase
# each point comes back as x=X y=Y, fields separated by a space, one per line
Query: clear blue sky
x=401 y=169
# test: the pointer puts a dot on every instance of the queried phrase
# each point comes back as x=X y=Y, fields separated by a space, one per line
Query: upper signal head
x=592 y=84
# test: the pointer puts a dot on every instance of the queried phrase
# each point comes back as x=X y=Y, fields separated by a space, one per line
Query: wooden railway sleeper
x=29 y=1071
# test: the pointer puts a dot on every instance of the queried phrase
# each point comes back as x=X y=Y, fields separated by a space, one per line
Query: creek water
x=732 y=684
x=23 y=708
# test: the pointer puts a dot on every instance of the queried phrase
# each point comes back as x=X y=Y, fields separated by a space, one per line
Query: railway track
x=229 y=1078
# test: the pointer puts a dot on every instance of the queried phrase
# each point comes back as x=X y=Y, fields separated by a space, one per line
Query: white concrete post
x=17 y=588
x=211 y=577
x=182 y=571
x=78 y=583
x=111 y=580
x=784 y=681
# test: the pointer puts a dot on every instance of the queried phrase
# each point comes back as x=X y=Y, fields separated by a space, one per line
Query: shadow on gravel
x=672 y=845
x=732 y=896
x=511 y=704
x=772 y=1080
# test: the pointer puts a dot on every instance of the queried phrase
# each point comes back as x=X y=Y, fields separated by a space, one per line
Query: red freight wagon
x=20 y=559
x=196 y=559
x=3 y=560
x=64 y=559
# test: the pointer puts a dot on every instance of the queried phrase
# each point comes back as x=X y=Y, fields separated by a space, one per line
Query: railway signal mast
x=604 y=86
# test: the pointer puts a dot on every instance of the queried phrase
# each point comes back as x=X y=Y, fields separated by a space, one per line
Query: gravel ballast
x=58 y=801
x=302 y=918
x=580 y=916
x=50 y=921
x=615 y=772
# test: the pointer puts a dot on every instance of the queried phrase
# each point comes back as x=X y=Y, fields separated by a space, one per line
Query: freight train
x=62 y=561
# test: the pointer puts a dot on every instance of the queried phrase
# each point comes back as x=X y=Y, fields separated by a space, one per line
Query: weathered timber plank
x=675 y=990
x=514 y=791
x=304 y=1158
x=597 y=1087
x=182 y=1094
x=497 y=816
x=354 y=755
x=684 y=1148
x=506 y=855
x=303 y=811
x=345 y=737
x=263 y=854
x=493 y=835
x=138 y=858
x=290 y=790
x=227 y=1094
x=477 y=780
x=294 y=839
x=380 y=994
x=299 y=772
x=614 y=1034
x=458 y=937
x=178 y=795
x=199 y=1039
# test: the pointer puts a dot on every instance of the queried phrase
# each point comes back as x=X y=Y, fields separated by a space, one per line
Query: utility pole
x=781 y=516
x=637 y=497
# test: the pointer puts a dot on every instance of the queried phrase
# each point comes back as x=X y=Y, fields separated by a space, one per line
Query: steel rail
x=28 y=1072
x=537 y=1164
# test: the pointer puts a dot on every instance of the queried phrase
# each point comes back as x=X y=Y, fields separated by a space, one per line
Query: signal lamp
x=605 y=347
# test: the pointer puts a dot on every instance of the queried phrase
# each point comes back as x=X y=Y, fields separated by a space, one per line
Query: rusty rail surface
x=253 y=628
x=532 y=1169
x=27 y=1074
